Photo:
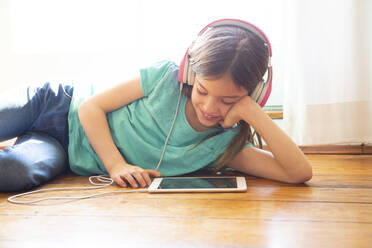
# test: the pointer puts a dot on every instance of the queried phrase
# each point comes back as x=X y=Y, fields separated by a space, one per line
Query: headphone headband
x=262 y=92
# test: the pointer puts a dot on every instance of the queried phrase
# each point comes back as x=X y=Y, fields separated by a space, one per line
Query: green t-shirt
x=139 y=129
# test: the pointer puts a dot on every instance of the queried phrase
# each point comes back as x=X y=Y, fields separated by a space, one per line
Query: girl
x=145 y=128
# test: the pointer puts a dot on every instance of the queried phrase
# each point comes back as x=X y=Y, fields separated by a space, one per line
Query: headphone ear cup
x=186 y=70
x=256 y=94
x=186 y=74
x=263 y=94
x=183 y=70
x=190 y=75
x=262 y=91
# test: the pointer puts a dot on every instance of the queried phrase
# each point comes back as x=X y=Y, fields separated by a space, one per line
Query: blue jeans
x=37 y=115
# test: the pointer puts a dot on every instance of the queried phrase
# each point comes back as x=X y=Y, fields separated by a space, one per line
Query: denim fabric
x=34 y=159
x=37 y=115
x=36 y=108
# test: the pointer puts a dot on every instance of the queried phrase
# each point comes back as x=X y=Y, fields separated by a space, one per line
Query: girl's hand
x=244 y=109
x=134 y=175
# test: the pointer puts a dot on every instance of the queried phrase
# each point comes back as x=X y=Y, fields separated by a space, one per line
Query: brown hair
x=242 y=54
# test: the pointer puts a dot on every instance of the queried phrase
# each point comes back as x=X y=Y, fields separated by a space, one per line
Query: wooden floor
x=334 y=209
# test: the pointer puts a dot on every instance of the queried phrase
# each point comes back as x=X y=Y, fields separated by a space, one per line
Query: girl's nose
x=211 y=105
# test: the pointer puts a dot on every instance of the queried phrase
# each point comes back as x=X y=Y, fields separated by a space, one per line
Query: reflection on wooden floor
x=334 y=209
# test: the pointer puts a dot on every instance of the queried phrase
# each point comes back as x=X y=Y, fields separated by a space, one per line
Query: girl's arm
x=286 y=162
x=92 y=114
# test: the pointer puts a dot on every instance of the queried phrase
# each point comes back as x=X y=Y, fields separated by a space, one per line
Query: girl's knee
x=15 y=174
x=35 y=159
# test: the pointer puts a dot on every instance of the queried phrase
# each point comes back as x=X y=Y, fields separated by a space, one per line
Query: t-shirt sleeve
x=151 y=75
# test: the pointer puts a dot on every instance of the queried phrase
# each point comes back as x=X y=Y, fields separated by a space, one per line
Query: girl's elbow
x=308 y=172
x=85 y=112
x=82 y=108
x=86 y=108
x=305 y=176
x=303 y=173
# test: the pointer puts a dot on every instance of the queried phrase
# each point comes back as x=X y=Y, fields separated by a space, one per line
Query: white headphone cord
x=105 y=182
x=170 y=130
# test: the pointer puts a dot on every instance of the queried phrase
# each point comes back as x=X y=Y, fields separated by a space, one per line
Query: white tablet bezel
x=240 y=181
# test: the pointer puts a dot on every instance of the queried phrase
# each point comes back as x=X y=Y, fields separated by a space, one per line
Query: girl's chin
x=208 y=123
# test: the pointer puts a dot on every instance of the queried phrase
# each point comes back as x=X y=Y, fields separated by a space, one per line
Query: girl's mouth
x=209 y=117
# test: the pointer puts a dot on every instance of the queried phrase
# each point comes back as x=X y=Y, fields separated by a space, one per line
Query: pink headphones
x=262 y=92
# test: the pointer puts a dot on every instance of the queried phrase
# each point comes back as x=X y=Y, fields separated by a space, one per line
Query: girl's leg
x=34 y=159
x=19 y=108
x=54 y=106
x=36 y=108
x=37 y=115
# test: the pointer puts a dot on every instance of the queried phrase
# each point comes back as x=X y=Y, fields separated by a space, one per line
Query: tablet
x=198 y=184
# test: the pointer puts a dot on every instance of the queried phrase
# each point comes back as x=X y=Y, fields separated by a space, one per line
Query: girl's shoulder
x=161 y=65
x=159 y=74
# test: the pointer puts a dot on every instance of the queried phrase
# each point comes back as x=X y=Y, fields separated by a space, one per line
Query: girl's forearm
x=285 y=151
x=97 y=130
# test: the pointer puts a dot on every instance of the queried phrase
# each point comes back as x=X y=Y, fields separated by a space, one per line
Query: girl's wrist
x=114 y=166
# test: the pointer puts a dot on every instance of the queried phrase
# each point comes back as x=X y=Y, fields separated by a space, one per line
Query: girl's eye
x=228 y=103
x=205 y=93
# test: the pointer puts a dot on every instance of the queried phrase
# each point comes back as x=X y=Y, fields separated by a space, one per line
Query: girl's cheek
x=225 y=110
x=196 y=99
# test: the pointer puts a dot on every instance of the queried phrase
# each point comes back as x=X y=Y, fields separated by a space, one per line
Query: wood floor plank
x=341 y=181
x=341 y=164
x=171 y=207
x=94 y=231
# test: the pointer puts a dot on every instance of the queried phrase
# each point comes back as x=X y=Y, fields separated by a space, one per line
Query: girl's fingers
x=147 y=178
x=136 y=178
x=119 y=181
x=143 y=177
x=130 y=180
x=140 y=179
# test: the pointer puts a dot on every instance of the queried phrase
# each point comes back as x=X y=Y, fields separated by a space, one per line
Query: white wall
x=106 y=41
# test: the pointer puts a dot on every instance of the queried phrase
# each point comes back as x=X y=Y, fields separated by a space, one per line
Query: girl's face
x=211 y=100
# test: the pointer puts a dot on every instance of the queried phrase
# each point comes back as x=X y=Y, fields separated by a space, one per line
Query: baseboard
x=335 y=149
x=366 y=149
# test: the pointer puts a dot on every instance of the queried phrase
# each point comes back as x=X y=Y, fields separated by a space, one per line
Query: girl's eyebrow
x=221 y=96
